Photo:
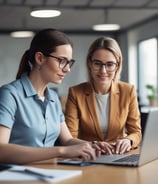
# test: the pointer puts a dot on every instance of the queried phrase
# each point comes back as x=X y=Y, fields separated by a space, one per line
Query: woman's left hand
x=122 y=146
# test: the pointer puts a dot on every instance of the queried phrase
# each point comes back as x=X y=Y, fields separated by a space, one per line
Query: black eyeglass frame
x=101 y=64
x=61 y=59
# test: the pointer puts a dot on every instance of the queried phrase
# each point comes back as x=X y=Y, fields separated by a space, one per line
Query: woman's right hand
x=84 y=151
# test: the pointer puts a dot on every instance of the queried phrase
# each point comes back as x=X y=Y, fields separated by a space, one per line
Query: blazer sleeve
x=71 y=113
x=133 y=125
x=124 y=117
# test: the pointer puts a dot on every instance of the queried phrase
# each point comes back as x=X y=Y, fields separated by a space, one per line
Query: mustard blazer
x=124 y=118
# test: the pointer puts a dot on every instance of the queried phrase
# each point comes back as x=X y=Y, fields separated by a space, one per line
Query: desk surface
x=100 y=174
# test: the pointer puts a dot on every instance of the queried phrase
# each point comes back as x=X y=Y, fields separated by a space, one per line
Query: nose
x=66 y=69
x=103 y=68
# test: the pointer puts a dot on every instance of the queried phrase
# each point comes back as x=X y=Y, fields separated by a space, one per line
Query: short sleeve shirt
x=33 y=122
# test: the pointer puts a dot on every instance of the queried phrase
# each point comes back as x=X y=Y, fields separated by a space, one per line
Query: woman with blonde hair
x=104 y=110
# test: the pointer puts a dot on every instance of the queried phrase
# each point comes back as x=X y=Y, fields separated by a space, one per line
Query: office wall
x=10 y=54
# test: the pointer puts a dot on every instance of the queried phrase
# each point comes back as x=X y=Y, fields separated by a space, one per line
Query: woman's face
x=51 y=69
x=100 y=73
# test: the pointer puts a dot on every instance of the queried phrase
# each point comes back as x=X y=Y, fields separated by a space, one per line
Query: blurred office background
x=137 y=36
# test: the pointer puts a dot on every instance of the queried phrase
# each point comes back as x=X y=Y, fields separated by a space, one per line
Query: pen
x=4 y=167
x=39 y=176
x=28 y=171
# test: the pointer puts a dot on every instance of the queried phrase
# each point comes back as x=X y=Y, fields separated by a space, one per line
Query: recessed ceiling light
x=41 y=13
x=106 y=27
x=22 y=34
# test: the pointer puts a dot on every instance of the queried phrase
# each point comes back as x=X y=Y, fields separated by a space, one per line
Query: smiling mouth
x=61 y=76
x=101 y=76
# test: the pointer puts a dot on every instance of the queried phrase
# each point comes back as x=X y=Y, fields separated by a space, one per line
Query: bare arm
x=17 y=154
x=12 y=153
x=66 y=137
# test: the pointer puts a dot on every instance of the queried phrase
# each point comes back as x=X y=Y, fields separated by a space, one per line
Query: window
x=147 y=67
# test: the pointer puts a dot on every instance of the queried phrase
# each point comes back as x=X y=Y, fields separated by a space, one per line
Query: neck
x=101 y=89
x=38 y=84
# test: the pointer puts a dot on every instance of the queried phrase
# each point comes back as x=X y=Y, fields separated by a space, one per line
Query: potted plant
x=152 y=94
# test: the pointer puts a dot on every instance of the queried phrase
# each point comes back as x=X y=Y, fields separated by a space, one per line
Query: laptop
x=148 y=148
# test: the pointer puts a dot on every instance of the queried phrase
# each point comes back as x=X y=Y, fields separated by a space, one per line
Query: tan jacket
x=124 y=118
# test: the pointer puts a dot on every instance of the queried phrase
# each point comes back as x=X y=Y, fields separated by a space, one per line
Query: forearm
x=16 y=154
x=75 y=141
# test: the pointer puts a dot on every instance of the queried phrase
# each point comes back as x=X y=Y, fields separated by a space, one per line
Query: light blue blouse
x=32 y=121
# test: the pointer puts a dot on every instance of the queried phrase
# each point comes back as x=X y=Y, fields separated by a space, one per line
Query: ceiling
x=77 y=15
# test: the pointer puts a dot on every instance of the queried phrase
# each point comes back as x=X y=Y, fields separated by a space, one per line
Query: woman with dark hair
x=31 y=118
x=104 y=110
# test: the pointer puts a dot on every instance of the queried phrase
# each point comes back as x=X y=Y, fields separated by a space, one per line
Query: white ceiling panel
x=50 y=2
x=14 y=1
x=76 y=15
x=102 y=2
x=34 y=3
x=74 y=2
x=133 y=3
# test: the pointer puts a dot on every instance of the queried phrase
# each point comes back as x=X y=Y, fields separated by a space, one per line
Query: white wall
x=11 y=51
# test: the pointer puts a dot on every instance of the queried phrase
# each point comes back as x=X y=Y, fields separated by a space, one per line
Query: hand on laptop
x=103 y=147
x=119 y=147
x=122 y=146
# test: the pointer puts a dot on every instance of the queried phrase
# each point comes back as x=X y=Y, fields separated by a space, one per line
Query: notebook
x=22 y=173
x=148 y=149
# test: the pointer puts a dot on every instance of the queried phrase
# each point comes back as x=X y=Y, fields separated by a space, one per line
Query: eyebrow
x=102 y=61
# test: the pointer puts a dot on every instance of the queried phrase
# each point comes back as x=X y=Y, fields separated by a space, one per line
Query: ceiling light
x=43 y=13
x=106 y=27
x=22 y=34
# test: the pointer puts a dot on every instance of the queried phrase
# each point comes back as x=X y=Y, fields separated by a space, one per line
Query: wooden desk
x=100 y=174
x=104 y=174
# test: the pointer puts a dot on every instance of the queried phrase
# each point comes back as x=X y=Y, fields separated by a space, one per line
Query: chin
x=57 y=82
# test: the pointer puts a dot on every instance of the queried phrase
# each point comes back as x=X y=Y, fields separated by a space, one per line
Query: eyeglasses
x=63 y=62
x=110 y=66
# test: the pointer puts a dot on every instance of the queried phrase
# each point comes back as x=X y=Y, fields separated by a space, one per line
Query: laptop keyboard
x=130 y=158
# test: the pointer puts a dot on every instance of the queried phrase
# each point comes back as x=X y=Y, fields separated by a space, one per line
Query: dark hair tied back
x=44 y=41
x=24 y=64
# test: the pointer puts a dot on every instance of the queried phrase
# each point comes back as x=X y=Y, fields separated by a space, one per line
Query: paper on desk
x=57 y=173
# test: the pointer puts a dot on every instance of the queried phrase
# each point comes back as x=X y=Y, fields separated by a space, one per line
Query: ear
x=89 y=64
x=39 y=58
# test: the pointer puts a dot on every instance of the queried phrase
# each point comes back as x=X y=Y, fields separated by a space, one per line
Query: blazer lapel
x=91 y=104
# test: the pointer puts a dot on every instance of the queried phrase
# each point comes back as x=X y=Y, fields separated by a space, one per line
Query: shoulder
x=8 y=95
x=121 y=84
x=123 y=87
x=12 y=87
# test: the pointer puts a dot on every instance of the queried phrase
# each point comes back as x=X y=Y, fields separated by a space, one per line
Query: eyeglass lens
x=110 y=66
x=63 y=62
